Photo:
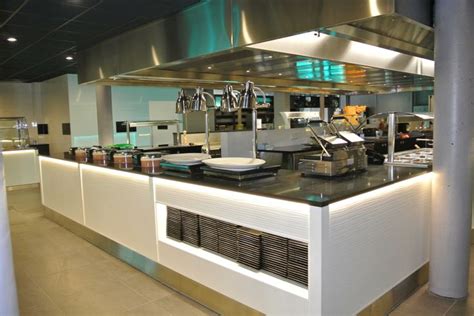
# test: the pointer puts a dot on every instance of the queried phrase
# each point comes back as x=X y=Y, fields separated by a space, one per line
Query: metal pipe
x=391 y=136
x=254 y=133
x=453 y=149
x=128 y=132
x=207 y=147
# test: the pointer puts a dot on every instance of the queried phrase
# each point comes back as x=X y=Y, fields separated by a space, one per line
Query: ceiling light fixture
x=69 y=58
x=209 y=67
x=247 y=71
x=12 y=39
x=280 y=74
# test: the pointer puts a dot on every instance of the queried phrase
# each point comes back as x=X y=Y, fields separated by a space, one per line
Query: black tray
x=262 y=172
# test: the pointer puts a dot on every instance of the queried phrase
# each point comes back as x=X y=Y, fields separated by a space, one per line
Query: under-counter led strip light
x=375 y=194
x=59 y=161
x=118 y=173
x=237 y=197
x=19 y=152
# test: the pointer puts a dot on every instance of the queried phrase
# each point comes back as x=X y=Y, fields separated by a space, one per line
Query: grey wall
x=401 y=102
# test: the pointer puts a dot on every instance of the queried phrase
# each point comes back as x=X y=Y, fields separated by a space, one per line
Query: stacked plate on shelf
x=227 y=234
x=249 y=247
x=190 y=227
x=275 y=254
x=173 y=223
x=208 y=232
x=298 y=261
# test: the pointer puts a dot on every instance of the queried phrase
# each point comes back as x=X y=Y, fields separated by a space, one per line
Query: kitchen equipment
x=80 y=155
x=100 y=157
x=14 y=133
x=342 y=152
x=150 y=163
x=150 y=124
x=199 y=103
x=234 y=163
x=186 y=159
x=248 y=100
x=123 y=160
x=230 y=102
x=418 y=158
x=241 y=175
x=183 y=103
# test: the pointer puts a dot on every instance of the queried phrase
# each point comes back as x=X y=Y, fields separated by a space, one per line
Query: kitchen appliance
x=230 y=101
x=199 y=103
x=14 y=133
x=150 y=162
x=418 y=158
x=80 y=154
x=248 y=100
x=123 y=160
x=342 y=152
x=100 y=157
x=183 y=103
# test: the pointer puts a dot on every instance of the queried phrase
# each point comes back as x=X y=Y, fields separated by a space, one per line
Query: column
x=105 y=120
x=451 y=194
x=8 y=296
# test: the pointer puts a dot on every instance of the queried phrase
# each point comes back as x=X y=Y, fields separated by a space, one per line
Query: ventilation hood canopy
x=317 y=46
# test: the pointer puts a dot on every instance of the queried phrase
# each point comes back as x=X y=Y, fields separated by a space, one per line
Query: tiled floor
x=58 y=273
x=424 y=303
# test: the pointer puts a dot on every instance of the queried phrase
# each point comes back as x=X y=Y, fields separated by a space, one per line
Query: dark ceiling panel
x=49 y=30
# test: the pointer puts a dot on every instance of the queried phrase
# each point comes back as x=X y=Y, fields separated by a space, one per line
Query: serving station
x=279 y=244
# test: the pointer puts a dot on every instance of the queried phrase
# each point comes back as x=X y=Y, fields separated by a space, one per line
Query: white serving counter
x=360 y=248
x=21 y=167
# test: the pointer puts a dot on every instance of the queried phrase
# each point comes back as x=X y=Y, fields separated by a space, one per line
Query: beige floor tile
x=148 y=287
x=179 y=305
x=118 y=269
x=54 y=264
x=424 y=303
x=149 y=309
x=43 y=306
x=108 y=300
x=75 y=281
x=462 y=307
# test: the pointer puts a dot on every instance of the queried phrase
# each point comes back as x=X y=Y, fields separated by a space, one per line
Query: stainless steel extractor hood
x=319 y=46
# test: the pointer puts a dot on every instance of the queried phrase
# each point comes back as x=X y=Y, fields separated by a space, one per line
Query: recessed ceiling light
x=247 y=71
x=209 y=67
x=12 y=39
x=69 y=58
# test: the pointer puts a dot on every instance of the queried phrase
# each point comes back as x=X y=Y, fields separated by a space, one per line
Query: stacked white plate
x=187 y=159
x=234 y=163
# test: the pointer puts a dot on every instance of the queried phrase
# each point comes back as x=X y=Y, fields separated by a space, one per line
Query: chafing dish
x=419 y=158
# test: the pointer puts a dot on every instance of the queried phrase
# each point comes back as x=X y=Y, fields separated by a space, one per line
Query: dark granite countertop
x=291 y=149
x=290 y=185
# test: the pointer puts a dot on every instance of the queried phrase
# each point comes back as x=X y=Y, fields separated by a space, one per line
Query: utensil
x=234 y=163
x=186 y=159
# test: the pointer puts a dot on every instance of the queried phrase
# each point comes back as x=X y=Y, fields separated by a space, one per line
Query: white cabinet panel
x=119 y=205
x=21 y=167
x=283 y=218
x=61 y=187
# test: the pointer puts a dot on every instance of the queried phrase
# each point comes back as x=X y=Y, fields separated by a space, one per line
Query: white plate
x=234 y=163
x=186 y=159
